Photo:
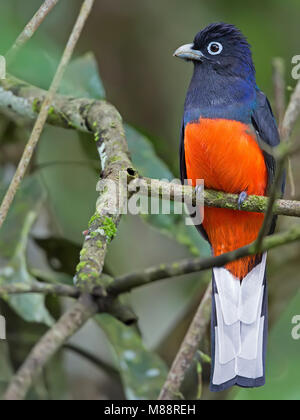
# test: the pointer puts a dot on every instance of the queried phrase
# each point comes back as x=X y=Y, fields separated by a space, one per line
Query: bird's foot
x=199 y=190
x=242 y=198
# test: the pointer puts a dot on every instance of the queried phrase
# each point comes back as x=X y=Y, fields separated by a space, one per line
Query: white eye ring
x=209 y=48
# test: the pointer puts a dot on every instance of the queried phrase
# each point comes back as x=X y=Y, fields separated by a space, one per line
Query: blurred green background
x=133 y=43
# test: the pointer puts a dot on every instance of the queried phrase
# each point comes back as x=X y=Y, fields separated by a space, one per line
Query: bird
x=228 y=138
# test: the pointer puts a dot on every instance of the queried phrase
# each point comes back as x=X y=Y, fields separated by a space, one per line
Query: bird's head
x=220 y=47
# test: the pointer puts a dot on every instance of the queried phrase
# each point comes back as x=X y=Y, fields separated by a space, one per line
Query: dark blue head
x=221 y=48
x=224 y=82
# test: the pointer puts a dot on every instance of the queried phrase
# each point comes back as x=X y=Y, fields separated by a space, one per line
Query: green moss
x=115 y=159
x=106 y=228
x=94 y=275
x=258 y=203
x=70 y=124
x=83 y=252
x=36 y=105
x=83 y=277
x=81 y=266
x=109 y=228
x=94 y=218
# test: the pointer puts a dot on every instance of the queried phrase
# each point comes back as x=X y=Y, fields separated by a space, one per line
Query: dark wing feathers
x=264 y=123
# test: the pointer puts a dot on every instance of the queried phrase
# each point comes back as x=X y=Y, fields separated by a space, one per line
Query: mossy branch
x=219 y=199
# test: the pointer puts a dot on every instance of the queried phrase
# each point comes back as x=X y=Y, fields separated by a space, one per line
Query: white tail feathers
x=239 y=334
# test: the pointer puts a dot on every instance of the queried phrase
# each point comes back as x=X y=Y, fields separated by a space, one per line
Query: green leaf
x=13 y=245
x=150 y=165
x=30 y=307
x=29 y=198
x=70 y=182
x=144 y=156
x=82 y=79
x=53 y=277
x=6 y=370
x=143 y=372
x=283 y=362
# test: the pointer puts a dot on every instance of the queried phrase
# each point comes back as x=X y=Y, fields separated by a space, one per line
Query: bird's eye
x=215 y=48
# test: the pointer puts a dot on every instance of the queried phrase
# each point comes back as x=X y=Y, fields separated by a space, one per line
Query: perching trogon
x=228 y=134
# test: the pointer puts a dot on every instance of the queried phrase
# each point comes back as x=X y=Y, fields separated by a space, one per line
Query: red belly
x=226 y=155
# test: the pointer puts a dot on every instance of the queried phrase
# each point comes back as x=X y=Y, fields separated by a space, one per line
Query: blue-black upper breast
x=231 y=112
x=225 y=99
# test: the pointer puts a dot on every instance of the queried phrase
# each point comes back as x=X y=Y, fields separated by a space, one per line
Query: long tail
x=239 y=329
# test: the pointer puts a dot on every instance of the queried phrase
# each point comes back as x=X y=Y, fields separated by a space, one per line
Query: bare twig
x=292 y=114
x=291 y=178
x=186 y=354
x=279 y=88
x=42 y=118
x=31 y=28
x=55 y=338
x=128 y=282
x=275 y=192
x=23 y=288
x=280 y=104
x=110 y=370
x=290 y=118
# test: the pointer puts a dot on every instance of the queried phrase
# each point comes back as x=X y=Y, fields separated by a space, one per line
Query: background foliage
x=132 y=44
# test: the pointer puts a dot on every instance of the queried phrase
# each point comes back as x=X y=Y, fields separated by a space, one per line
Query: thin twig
x=291 y=178
x=276 y=187
x=290 y=118
x=42 y=288
x=280 y=106
x=31 y=28
x=44 y=350
x=110 y=370
x=279 y=87
x=186 y=354
x=292 y=114
x=42 y=118
x=128 y=282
